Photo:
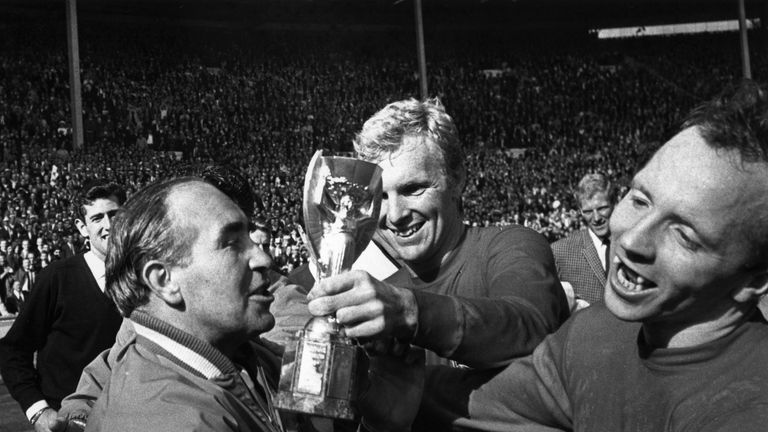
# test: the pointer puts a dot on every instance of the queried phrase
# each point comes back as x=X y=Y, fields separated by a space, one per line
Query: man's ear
x=158 y=278
x=80 y=225
x=756 y=288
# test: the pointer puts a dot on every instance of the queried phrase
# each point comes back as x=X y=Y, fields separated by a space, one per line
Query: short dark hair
x=142 y=231
x=737 y=119
x=97 y=189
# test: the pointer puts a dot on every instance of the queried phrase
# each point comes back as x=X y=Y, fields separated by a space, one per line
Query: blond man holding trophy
x=473 y=297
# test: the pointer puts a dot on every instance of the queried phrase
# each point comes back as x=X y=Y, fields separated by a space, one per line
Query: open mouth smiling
x=406 y=232
x=630 y=280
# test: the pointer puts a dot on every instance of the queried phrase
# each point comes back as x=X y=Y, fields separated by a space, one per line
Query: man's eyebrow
x=233 y=228
x=635 y=184
x=413 y=184
x=106 y=212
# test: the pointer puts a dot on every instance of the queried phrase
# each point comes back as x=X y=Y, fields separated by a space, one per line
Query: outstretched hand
x=365 y=306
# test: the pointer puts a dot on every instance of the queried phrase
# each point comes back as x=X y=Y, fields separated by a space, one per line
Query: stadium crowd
x=532 y=124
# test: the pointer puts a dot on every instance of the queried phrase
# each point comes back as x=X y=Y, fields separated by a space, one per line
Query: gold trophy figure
x=342 y=200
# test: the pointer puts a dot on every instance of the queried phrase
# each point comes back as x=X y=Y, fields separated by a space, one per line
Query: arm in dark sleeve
x=27 y=335
x=523 y=303
x=528 y=395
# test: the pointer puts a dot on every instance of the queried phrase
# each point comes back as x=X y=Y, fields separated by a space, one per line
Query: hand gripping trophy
x=342 y=199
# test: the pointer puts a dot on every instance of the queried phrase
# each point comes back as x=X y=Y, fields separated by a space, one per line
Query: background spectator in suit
x=26 y=275
x=6 y=278
x=582 y=257
x=15 y=302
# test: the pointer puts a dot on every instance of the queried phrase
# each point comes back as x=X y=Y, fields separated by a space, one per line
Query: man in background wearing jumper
x=67 y=319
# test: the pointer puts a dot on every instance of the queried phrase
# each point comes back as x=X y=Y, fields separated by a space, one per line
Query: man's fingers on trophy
x=333 y=285
x=365 y=329
x=352 y=300
x=360 y=313
x=322 y=306
x=330 y=304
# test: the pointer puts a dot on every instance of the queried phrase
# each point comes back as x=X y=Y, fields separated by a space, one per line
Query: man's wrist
x=35 y=408
x=36 y=416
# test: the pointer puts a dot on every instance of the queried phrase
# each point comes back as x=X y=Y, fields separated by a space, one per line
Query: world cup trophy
x=342 y=200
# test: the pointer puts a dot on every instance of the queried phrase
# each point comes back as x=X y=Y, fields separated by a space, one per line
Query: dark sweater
x=69 y=321
x=597 y=374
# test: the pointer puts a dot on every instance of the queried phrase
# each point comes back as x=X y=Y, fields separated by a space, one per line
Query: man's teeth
x=631 y=280
x=408 y=232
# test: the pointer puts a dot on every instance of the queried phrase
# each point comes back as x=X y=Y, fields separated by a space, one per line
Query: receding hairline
x=179 y=214
x=186 y=187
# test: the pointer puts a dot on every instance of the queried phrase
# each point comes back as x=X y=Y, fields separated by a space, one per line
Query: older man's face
x=683 y=235
x=224 y=284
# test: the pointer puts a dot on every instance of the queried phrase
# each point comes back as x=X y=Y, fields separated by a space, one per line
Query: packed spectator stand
x=535 y=116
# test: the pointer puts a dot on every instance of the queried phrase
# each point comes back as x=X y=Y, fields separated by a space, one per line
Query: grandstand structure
x=560 y=14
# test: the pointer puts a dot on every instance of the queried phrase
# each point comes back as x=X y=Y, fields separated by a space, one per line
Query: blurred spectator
x=582 y=258
x=6 y=278
x=15 y=302
x=259 y=233
x=26 y=275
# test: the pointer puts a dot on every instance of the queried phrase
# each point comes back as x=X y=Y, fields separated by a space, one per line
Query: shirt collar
x=599 y=246
x=97 y=267
x=181 y=352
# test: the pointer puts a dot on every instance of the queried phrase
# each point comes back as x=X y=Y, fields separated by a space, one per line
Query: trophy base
x=307 y=404
x=318 y=373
